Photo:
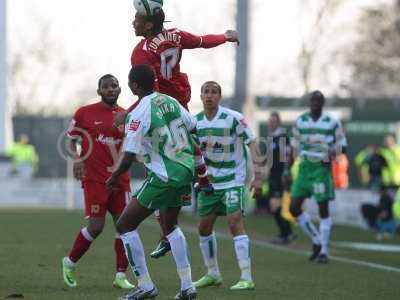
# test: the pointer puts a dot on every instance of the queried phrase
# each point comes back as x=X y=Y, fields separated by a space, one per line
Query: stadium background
x=365 y=123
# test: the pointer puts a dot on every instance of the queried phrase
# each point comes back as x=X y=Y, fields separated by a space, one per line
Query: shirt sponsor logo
x=108 y=140
x=134 y=125
x=215 y=148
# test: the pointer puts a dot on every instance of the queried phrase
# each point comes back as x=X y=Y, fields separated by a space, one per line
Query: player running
x=157 y=129
x=317 y=137
x=92 y=127
x=162 y=49
x=223 y=136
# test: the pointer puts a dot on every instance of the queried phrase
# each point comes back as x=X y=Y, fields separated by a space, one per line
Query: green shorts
x=221 y=202
x=314 y=179
x=156 y=194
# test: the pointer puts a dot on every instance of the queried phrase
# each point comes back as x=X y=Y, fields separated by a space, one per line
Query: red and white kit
x=164 y=52
x=101 y=142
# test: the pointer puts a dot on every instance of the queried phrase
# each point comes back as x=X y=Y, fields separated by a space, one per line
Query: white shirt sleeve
x=135 y=130
x=243 y=130
x=189 y=120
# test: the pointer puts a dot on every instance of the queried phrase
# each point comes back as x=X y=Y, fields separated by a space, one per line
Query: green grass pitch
x=34 y=241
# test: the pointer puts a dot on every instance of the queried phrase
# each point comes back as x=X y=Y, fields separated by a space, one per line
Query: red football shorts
x=99 y=200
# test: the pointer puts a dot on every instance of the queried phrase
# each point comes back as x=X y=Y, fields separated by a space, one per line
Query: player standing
x=279 y=166
x=157 y=129
x=223 y=136
x=162 y=49
x=317 y=138
x=92 y=127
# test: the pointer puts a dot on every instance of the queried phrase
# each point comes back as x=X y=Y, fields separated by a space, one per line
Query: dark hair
x=106 y=76
x=144 y=76
x=317 y=95
x=276 y=115
x=216 y=84
x=157 y=19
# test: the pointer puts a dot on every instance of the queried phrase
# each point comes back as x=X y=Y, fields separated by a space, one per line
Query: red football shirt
x=164 y=52
x=101 y=141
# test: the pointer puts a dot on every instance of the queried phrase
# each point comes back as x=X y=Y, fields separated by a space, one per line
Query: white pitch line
x=388 y=248
x=334 y=258
x=264 y=244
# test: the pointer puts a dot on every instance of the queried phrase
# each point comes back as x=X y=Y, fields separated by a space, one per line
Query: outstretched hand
x=232 y=36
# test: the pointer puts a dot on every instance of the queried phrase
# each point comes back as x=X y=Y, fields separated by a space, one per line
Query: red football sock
x=202 y=177
x=121 y=260
x=81 y=245
x=201 y=169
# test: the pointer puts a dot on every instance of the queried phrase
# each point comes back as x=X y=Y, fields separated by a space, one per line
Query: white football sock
x=325 y=226
x=208 y=246
x=180 y=252
x=308 y=228
x=119 y=275
x=135 y=253
x=69 y=262
x=241 y=243
x=86 y=234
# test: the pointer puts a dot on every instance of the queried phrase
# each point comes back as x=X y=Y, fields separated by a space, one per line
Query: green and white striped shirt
x=313 y=139
x=159 y=129
x=223 y=141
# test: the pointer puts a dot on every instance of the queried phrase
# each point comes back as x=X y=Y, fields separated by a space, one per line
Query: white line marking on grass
x=369 y=246
x=264 y=244
x=334 y=258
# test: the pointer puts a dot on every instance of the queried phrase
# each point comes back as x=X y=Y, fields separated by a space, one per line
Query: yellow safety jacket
x=391 y=173
x=23 y=154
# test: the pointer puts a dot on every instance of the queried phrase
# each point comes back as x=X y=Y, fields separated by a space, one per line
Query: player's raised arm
x=191 y=41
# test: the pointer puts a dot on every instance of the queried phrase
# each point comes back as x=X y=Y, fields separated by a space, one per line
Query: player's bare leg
x=307 y=226
x=163 y=246
x=81 y=245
